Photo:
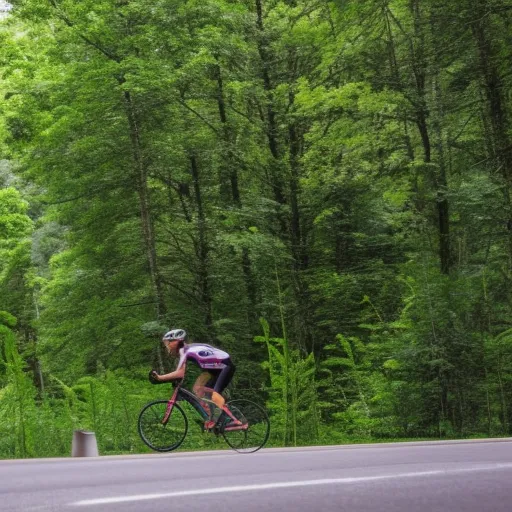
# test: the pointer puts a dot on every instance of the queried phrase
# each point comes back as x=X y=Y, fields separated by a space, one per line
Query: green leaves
x=7 y=319
x=341 y=151
x=14 y=222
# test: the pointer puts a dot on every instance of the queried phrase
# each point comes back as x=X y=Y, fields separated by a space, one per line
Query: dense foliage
x=320 y=188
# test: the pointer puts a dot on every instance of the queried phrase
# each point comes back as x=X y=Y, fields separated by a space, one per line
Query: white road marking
x=286 y=485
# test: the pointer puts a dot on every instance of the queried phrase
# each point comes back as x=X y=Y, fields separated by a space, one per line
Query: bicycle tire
x=258 y=426
x=154 y=434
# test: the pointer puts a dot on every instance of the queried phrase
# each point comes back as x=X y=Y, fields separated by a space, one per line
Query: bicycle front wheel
x=158 y=436
x=251 y=431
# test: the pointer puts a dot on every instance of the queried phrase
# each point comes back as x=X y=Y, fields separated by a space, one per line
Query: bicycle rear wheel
x=160 y=437
x=254 y=430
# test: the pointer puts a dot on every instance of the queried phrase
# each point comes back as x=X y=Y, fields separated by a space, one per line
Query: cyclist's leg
x=199 y=385
x=202 y=383
x=219 y=382
x=222 y=382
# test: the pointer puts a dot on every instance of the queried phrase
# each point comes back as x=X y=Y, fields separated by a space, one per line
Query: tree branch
x=137 y=304
x=184 y=104
x=63 y=17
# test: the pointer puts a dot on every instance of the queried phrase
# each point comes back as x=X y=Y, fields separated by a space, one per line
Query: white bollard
x=84 y=444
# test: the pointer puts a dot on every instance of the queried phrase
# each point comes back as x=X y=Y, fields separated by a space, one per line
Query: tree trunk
x=438 y=179
x=298 y=245
x=146 y=220
x=145 y=213
x=230 y=175
x=272 y=128
x=203 y=250
x=494 y=86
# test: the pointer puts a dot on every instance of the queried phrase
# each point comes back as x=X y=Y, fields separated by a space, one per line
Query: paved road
x=473 y=476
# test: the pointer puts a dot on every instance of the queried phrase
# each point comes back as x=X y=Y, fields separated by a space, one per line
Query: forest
x=320 y=188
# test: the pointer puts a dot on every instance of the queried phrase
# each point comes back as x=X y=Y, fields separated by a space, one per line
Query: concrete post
x=84 y=444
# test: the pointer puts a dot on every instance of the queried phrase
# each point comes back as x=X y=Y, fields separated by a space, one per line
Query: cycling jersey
x=205 y=356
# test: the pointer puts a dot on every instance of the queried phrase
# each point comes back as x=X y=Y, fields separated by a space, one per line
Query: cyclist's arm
x=175 y=375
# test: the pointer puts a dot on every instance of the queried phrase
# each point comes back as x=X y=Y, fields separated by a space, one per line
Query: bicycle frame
x=181 y=394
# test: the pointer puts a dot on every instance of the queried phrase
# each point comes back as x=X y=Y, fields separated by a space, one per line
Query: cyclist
x=217 y=366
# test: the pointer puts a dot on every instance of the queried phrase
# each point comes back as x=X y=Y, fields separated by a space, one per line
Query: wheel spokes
x=257 y=430
x=159 y=436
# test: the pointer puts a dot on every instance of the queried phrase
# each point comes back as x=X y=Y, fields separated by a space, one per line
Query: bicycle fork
x=170 y=405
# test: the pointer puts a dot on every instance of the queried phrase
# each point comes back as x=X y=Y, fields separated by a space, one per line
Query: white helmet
x=175 y=334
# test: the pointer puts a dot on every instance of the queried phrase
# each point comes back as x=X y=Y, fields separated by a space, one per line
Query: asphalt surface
x=472 y=476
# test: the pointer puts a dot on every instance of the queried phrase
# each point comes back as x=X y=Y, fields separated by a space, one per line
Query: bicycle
x=163 y=424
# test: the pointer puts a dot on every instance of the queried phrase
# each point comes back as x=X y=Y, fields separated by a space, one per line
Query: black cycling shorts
x=220 y=379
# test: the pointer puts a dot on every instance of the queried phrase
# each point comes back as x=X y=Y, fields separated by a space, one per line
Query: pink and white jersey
x=205 y=356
